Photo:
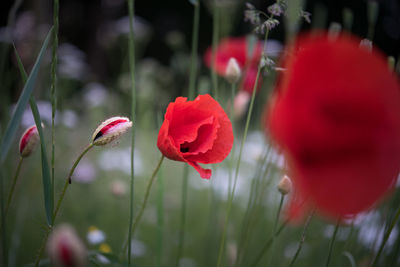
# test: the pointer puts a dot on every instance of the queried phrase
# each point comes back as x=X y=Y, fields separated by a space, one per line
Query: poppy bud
x=65 y=248
x=285 y=185
x=110 y=130
x=233 y=71
x=28 y=142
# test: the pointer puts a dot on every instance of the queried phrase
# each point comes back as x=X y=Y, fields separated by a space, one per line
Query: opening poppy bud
x=285 y=185
x=28 y=141
x=110 y=130
x=233 y=71
x=65 y=248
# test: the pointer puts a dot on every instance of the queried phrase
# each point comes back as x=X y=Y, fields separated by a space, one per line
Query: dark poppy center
x=184 y=148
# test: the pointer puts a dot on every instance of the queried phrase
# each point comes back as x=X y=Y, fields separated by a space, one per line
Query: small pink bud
x=285 y=185
x=28 y=141
x=110 y=130
x=65 y=248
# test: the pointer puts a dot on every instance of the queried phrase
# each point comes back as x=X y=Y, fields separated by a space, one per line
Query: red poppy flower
x=196 y=132
x=336 y=115
x=237 y=48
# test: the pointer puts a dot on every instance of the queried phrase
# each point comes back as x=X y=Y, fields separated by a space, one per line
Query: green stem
x=14 y=182
x=331 y=243
x=230 y=199
x=53 y=89
x=160 y=216
x=386 y=237
x=60 y=199
x=193 y=59
x=269 y=243
x=215 y=37
x=278 y=212
x=183 y=213
x=303 y=236
x=131 y=8
x=146 y=197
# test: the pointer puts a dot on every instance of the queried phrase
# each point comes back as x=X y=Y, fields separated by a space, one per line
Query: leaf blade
x=13 y=124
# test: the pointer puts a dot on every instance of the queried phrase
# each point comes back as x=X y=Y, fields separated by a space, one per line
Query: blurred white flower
x=85 y=172
x=71 y=62
x=69 y=118
x=120 y=159
x=95 y=94
x=95 y=236
x=138 y=248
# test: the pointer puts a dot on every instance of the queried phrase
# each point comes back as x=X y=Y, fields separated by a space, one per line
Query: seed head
x=28 y=141
x=110 y=130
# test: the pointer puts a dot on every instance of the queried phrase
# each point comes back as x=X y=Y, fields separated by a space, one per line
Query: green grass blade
x=47 y=184
x=12 y=126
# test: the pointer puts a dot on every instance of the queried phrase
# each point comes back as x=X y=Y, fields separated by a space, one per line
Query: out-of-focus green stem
x=131 y=10
x=14 y=182
x=181 y=241
x=303 y=237
x=215 y=37
x=331 y=243
x=193 y=57
x=386 y=237
x=230 y=199
x=53 y=89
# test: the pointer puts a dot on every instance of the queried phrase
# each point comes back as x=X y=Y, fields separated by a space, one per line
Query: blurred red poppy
x=237 y=48
x=196 y=132
x=336 y=116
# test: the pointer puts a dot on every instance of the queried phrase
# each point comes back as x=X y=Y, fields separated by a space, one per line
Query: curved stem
x=146 y=197
x=60 y=199
x=230 y=199
x=303 y=236
x=14 y=182
x=386 y=237
x=331 y=243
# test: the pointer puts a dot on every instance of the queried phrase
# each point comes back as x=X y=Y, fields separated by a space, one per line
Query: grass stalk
x=13 y=183
x=53 y=89
x=303 y=237
x=131 y=11
x=230 y=199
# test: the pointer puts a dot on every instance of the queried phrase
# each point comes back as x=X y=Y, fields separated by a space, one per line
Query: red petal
x=204 y=173
x=336 y=116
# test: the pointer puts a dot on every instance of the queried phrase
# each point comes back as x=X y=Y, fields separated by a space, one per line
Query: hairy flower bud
x=285 y=185
x=65 y=248
x=233 y=71
x=110 y=130
x=28 y=141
